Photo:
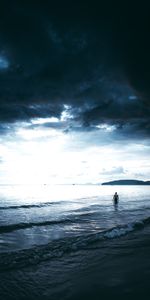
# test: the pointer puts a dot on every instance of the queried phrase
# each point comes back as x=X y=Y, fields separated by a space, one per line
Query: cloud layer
x=92 y=57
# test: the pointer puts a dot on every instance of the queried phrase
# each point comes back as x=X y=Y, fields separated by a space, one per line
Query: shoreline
x=118 y=268
x=123 y=272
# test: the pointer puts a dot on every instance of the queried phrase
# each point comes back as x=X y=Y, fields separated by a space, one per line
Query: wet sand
x=122 y=273
x=113 y=269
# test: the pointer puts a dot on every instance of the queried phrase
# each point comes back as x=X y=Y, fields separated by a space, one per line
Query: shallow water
x=36 y=215
x=47 y=229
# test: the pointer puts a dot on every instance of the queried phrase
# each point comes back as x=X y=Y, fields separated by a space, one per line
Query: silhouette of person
x=116 y=198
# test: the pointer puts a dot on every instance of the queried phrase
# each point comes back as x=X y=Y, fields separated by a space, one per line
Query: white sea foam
x=117 y=232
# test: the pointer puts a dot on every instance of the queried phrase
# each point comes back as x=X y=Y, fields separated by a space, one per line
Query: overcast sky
x=74 y=91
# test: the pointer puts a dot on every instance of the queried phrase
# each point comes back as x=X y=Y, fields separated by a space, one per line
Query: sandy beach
x=122 y=272
x=117 y=268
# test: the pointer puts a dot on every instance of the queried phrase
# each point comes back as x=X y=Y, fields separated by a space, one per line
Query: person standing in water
x=116 y=198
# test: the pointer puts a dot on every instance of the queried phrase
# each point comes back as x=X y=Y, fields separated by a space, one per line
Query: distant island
x=127 y=182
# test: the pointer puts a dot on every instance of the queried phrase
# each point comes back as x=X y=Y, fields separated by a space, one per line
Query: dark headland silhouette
x=127 y=182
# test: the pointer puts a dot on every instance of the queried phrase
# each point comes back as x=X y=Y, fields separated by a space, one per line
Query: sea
x=71 y=242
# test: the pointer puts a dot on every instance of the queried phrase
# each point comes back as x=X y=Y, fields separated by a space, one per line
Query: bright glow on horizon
x=48 y=155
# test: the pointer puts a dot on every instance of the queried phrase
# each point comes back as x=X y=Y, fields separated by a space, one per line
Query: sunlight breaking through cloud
x=4 y=64
x=40 y=121
x=106 y=127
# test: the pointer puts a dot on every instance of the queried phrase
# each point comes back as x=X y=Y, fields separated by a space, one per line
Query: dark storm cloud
x=125 y=115
x=89 y=55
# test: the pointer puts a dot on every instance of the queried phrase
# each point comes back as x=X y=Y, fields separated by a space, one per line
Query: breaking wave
x=58 y=248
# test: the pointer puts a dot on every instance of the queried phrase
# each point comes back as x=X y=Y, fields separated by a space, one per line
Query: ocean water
x=48 y=233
